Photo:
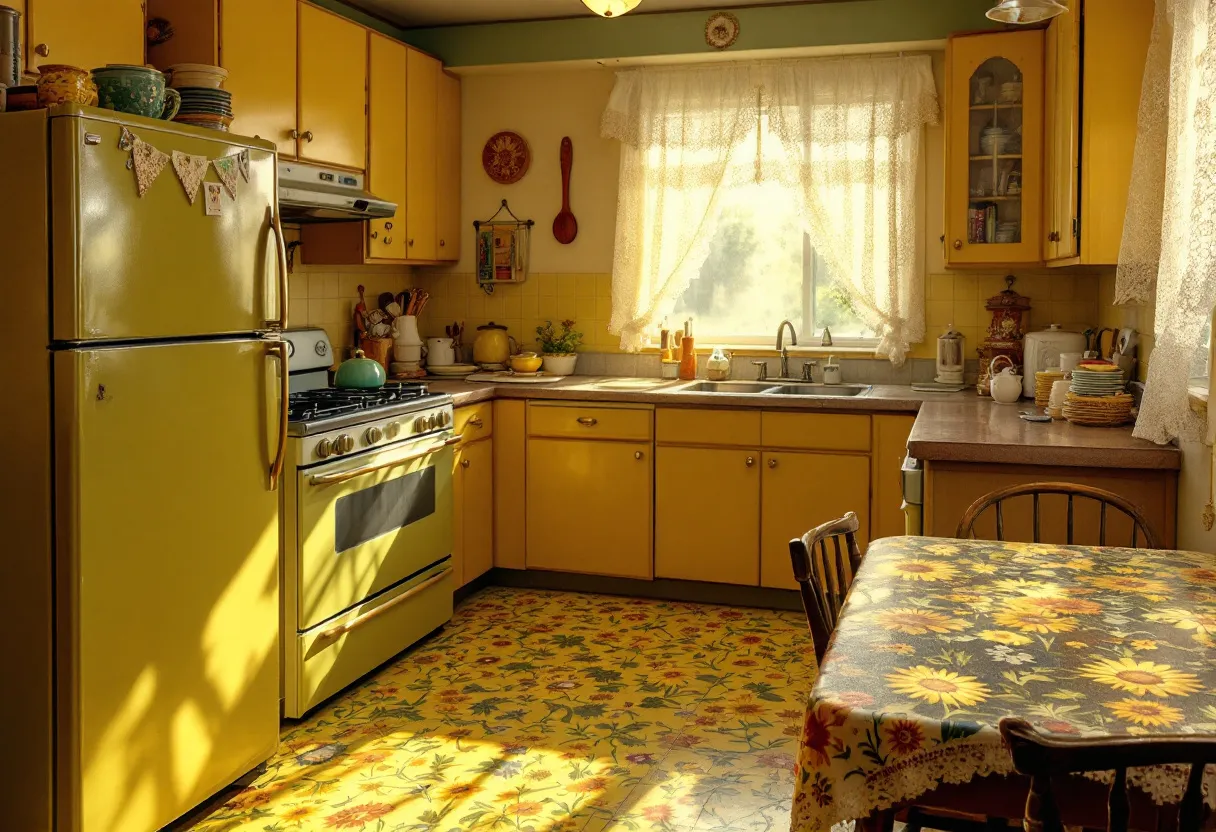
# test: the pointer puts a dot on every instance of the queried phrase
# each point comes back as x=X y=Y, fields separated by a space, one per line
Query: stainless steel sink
x=835 y=390
x=736 y=387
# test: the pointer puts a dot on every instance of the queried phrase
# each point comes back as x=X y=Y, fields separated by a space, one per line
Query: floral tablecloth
x=940 y=639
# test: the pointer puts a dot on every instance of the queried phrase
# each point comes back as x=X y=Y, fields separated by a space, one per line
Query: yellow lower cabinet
x=687 y=544
x=886 y=483
x=799 y=491
x=590 y=506
x=473 y=483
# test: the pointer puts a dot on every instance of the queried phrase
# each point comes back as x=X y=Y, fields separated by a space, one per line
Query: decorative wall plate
x=721 y=30
x=506 y=157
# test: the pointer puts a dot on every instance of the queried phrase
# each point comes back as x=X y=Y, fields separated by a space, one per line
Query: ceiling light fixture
x=611 y=8
x=1024 y=11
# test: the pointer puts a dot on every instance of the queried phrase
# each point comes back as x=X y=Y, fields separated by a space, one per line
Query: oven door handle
x=343 y=476
x=347 y=626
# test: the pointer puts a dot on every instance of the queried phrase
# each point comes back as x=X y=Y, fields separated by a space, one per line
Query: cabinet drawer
x=816 y=431
x=582 y=422
x=686 y=426
x=474 y=421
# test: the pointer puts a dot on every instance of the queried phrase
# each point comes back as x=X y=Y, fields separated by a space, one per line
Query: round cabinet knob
x=958 y=245
x=420 y=423
x=445 y=419
x=637 y=454
x=392 y=430
x=1053 y=237
x=464 y=463
x=42 y=50
x=388 y=226
x=772 y=463
x=344 y=444
x=307 y=135
x=295 y=134
x=374 y=234
x=388 y=241
x=374 y=435
x=442 y=243
x=324 y=448
x=750 y=461
x=411 y=242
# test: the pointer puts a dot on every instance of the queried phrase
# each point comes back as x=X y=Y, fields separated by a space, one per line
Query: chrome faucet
x=785 y=355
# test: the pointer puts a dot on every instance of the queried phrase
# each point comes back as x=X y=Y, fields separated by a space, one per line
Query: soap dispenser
x=831 y=371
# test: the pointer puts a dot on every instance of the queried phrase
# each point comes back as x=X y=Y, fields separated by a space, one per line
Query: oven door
x=369 y=521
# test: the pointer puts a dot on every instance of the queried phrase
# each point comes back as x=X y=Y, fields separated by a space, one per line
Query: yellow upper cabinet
x=447 y=195
x=994 y=148
x=333 y=89
x=422 y=107
x=386 y=148
x=258 y=48
x=84 y=33
x=1063 y=124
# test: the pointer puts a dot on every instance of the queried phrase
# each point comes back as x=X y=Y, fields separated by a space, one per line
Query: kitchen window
x=761 y=269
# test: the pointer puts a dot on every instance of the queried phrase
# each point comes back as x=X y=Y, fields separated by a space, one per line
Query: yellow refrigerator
x=145 y=422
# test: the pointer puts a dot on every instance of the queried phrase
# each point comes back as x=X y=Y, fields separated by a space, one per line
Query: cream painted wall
x=543 y=107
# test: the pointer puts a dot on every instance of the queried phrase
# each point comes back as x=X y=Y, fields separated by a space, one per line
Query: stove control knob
x=324 y=448
x=374 y=435
x=432 y=421
x=420 y=423
x=344 y=444
x=392 y=430
x=445 y=419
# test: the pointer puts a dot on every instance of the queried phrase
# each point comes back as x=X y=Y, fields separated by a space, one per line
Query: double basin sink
x=775 y=388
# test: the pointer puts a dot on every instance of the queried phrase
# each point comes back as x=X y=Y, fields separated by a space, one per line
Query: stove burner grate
x=334 y=401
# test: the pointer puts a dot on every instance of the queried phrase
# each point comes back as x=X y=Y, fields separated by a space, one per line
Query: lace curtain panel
x=1168 y=252
x=843 y=134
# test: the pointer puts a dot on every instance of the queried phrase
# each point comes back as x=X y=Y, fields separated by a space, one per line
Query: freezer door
x=167 y=571
x=157 y=266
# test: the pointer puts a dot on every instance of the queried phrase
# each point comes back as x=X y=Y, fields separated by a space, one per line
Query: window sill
x=1198 y=399
x=757 y=351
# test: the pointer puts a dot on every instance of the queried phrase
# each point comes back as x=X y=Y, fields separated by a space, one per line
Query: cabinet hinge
x=1076 y=227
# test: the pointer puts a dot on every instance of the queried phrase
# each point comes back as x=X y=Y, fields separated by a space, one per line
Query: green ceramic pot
x=360 y=372
x=138 y=90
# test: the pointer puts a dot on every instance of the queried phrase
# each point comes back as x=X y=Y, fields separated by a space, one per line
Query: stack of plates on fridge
x=1042 y=386
x=1097 y=380
x=205 y=107
x=1098 y=411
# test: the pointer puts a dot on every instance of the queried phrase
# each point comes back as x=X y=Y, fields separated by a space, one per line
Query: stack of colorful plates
x=205 y=107
x=1098 y=411
x=1042 y=386
x=1097 y=380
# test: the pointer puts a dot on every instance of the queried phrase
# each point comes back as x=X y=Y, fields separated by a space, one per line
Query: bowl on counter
x=525 y=362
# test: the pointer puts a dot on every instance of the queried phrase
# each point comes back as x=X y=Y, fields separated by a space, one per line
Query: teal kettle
x=360 y=372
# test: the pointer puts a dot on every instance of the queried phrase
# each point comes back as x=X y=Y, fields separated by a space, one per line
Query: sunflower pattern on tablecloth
x=940 y=639
x=553 y=712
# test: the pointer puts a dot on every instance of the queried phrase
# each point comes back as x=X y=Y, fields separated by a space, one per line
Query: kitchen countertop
x=950 y=427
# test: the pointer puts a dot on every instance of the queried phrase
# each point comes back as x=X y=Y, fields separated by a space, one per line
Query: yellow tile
x=546 y=308
x=565 y=286
x=316 y=312
x=493 y=307
x=529 y=288
x=546 y=285
x=966 y=313
x=529 y=306
x=989 y=285
x=941 y=287
x=513 y=307
x=939 y=313
x=584 y=309
x=584 y=285
x=475 y=311
x=566 y=308
x=966 y=287
x=297 y=311
x=603 y=308
x=1063 y=287
x=337 y=310
x=603 y=285
x=297 y=286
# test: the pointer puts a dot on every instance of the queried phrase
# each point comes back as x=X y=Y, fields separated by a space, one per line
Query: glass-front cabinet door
x=994 y=148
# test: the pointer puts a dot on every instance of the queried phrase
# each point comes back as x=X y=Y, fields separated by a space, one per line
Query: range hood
x=308 y=193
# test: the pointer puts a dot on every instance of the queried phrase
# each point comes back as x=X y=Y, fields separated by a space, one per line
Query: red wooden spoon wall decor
x=565 y=226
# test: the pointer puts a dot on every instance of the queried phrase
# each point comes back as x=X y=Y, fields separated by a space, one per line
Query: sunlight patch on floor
x=554 y=712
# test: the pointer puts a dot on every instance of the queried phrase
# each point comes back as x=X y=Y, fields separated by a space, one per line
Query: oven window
x=383 y=508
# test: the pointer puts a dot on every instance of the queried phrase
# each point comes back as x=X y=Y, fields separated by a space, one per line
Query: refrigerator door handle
x=276 y=226
x=279 y=349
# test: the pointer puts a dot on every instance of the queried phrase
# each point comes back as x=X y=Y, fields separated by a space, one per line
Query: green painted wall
x=361 y=17
x=639 y=35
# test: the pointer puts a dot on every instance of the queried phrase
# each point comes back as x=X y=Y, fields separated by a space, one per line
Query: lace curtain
x=848 y=134
x=1168 y=252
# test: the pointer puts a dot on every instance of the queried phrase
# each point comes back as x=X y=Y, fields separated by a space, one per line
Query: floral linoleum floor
x=550 y=711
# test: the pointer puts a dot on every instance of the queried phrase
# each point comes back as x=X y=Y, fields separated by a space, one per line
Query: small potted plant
x=558 y=347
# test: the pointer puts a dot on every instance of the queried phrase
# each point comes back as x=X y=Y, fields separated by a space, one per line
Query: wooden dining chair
x=996 y=500
x=1040 y=756
x=824 y=576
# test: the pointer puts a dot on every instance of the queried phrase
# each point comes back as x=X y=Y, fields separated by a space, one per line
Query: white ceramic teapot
x=1006 y=385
